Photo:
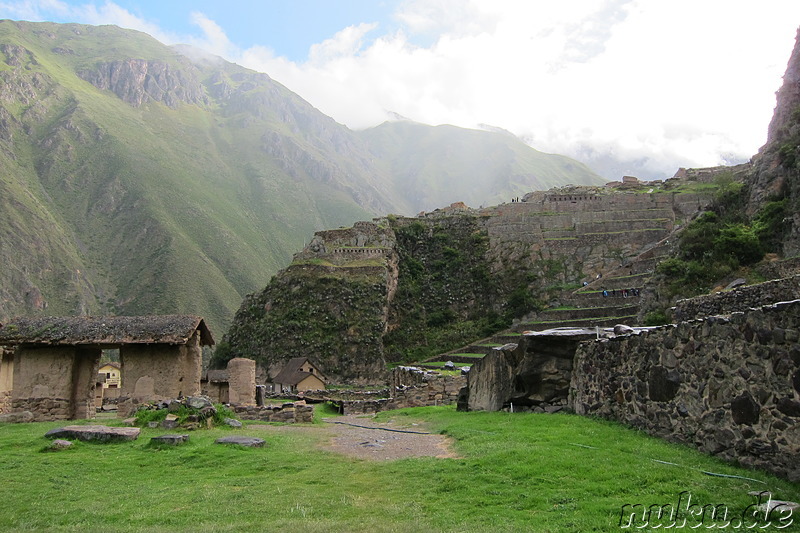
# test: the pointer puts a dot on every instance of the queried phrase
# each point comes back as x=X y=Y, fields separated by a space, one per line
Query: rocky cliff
x=776 y=172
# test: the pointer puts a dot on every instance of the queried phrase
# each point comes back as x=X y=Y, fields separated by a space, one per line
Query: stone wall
x=288 y=412
x=410 y=387
x=158 y=372
x=55 y=383
x=729 y=386
x=738 y=299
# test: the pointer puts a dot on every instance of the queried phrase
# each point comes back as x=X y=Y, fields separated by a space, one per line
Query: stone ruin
x=727 y=384
x=56 y=360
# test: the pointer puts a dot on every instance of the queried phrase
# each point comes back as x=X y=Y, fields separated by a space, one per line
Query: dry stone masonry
x=727 y=385
x=738 y=299
x=410 y=387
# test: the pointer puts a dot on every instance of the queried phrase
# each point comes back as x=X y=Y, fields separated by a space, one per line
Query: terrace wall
x=738 y=299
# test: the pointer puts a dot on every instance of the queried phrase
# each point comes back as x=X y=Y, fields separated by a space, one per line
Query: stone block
x=94 y=433
x=249 y=442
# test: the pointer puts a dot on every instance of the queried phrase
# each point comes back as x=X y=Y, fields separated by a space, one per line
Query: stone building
x=57 y=359
x=235 y=384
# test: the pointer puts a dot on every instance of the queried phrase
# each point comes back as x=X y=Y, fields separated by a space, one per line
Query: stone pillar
x=6 y=379
x=84 y=380
x=242 y=381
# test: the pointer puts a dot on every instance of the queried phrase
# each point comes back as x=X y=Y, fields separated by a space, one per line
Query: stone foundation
x=44 y=409
x=729 y=386
x=288 y=412
x=411 y=387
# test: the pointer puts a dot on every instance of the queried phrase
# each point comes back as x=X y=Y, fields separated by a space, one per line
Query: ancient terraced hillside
x=449 y=277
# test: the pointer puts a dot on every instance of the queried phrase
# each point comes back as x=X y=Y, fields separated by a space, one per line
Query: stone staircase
x=583 y=308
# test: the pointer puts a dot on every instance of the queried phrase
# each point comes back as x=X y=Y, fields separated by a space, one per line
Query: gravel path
x=364 y=438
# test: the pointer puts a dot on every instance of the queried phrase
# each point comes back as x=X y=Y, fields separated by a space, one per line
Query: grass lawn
x=516 y=472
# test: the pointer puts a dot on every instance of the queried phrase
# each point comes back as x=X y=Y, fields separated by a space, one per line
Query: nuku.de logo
x=762 y=514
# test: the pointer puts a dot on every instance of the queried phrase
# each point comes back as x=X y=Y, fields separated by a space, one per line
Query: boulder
x=622 y=329
x=59 y=444
x=94 y=433
x=170 y=422
x=198 y=402
x=250 y=442
x=232 y=422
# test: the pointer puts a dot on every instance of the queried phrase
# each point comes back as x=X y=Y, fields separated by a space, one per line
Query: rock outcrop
x=138 y=81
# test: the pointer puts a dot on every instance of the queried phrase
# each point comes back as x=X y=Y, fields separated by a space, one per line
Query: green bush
x=739 y=241
x=656 y=318
x=771 y=224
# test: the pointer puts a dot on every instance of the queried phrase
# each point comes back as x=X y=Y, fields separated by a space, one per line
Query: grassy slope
x=515 y=473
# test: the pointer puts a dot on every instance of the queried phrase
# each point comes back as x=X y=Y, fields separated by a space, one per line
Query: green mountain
x=137 y=178
x=436 y=166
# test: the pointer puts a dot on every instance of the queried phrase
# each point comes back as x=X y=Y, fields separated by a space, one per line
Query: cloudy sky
x=640 y=86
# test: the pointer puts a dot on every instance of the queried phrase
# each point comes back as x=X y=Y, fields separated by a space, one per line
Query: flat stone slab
x=94 y=433
x=250 y=442
x=173 y=440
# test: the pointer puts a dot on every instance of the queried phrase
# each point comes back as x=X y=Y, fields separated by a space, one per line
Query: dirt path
x=364 y=438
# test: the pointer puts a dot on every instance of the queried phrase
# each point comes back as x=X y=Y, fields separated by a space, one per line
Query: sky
x=660 y=84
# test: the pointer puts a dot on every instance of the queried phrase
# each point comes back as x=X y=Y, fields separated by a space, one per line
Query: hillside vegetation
x=139 y=178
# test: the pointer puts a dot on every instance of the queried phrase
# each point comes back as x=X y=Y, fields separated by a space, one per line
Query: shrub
x=739 y=241
x=656 y=318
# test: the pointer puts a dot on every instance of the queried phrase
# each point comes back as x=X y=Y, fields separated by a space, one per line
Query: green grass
x=515 y=472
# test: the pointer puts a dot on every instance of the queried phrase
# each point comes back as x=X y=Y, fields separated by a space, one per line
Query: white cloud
x=674 y=83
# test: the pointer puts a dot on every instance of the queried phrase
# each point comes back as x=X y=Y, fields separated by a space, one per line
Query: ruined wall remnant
x=729 y=386
x=289 y=412
x=158 y=372
x=738 y=299
x=242 y=381
x=533 y=375
x=409 y=387
x=55 y=383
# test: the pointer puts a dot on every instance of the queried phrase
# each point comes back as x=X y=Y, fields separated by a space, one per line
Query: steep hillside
x=138 y=178
x=436 y=166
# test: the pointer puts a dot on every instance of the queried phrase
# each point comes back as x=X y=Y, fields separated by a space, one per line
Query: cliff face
x=138 y=81
x=776 y=168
